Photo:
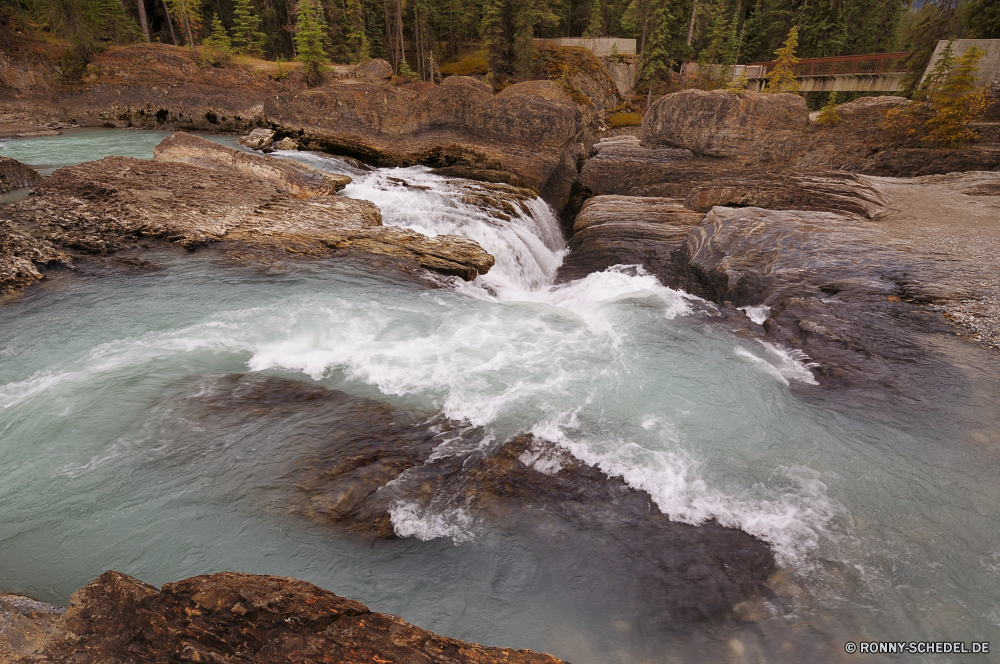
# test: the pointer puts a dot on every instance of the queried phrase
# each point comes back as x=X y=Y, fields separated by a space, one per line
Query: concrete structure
x=877 y=72
x=989 y=66
x=599 y=47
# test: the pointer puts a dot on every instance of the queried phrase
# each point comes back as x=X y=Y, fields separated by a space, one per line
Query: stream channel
x=883 y=511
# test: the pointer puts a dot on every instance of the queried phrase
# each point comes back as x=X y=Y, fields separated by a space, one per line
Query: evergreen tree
x=956 y=101
x=357 y=39
x=189 y=17
x=782 y=77
x=247 y=36
x=106 y=22
x=595 y=27
x=983 y=19
x=657 y=60
x=311 y=39
x=828 y=114
x=721 y=45
x=938 y=75
x=491 y=31
x=527 y=14
x=219 y=39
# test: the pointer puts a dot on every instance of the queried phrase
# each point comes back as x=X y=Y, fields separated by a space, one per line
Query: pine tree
x=247 y=36
x=311 y=39
x=595 y=27
x=956 y=102
x=491 y=31
x=938 y=75
x=106 y=21
x=355 y=37
x=189 y=17
x=828 y=114
x=782 y=77
x=526 y=15
x=721 y=46
x=656 y=58
x=219 y=39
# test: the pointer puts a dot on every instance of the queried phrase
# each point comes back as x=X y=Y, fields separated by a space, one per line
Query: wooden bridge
x=882 y=72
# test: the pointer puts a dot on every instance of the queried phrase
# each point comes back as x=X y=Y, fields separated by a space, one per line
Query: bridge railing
x=844 y=65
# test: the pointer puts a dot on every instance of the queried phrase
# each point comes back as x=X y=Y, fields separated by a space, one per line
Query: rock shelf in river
x=224 y=618
x=196 y=192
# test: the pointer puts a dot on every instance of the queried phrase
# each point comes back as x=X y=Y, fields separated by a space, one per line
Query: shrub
x=625 y=120
x=473 y=64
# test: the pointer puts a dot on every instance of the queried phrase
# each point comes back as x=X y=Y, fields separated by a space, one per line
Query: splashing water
x=880 y=516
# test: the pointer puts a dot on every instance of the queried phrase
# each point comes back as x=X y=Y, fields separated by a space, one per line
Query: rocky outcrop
x=371 y=468
x=624 y=166
x=26 y=626
x=754 y=126
x=826 y=191
x=290 y=177
x=21 y=255
x=530 y=129
x=228 y=618
x=242 y=202
x=15 y=175
x=624 y=230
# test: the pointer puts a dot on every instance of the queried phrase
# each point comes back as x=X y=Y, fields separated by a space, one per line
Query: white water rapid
x=883 y=518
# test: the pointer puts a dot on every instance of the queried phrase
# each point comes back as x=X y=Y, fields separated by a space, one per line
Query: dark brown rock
x=15 y=175
x=751 y=125
x=229 y=617
x=625 y=230
x=626 y=167
x=290 y=177
x=826 y=191
x=25 y=626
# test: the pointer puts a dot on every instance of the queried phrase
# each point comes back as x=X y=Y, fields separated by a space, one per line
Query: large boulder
x=756 y=126
x=15 y=175
x=232 y=617
x=290 y=177
x=375 y=69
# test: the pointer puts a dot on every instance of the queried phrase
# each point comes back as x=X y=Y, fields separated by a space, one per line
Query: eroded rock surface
x=824 y=191
x=229 y=617
x=245 y=202
x=627 y=230
x=624 y=166
x=15 y=175
x=758 y=126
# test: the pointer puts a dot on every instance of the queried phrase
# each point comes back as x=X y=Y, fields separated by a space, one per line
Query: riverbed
x=881 y=508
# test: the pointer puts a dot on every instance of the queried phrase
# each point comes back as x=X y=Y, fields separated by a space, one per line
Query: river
x=882 y=510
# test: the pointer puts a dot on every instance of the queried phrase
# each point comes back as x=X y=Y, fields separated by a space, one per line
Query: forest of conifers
x=721 y=31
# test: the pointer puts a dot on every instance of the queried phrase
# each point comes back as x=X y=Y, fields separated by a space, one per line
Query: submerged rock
x=231 y=617
x=243 y=201
x=370 y=471
x=15 y=175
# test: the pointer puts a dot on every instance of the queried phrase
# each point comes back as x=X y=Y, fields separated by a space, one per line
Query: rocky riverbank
x=224 y=617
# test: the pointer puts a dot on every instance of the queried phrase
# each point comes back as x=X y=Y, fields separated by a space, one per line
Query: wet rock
x=375 y=69
x=830 y=190
x=286 y=144
x=258 y=139
x=481 y=175
x=292 y=178
x=21 y=254
x=625 y=230
x=104 y=206
x=15 y=175
x=758 y=126
x=232 y=617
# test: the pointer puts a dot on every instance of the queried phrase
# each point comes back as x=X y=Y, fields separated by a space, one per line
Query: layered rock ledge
x=225 y=618
x=196 y=192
